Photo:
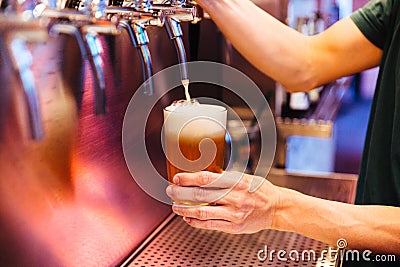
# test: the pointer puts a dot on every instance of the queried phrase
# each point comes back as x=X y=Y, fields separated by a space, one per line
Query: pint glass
x=194 y=137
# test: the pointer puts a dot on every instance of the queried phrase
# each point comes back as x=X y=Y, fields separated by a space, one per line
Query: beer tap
x=85 y=25
x=15 y=49
x=93 y=46
x=14 y=40
x=134 y=19
x=140 y=40
x=181 y=10
x=140 y=14
x=175 y=34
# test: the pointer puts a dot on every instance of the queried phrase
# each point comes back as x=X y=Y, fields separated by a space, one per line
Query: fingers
x=216 y=225
x=203 y=213
x=208 y=179
x=211 y=217
x=196 y=195
x=206 y=187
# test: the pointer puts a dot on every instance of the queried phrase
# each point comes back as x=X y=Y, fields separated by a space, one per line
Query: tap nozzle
x=94 y=50
x=23 y=63
x=140 y=41
x=18 y=53
x=175 y=34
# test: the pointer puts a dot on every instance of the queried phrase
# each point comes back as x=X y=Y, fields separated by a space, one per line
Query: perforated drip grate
x=181 y=245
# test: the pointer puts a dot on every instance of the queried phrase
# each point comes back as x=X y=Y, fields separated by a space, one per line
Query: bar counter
x=175 y=243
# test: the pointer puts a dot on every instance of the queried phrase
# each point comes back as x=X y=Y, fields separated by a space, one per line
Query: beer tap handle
x=142 y=5
x=198 y=12
x=140 y=41
x=22 y=61
x=175 y=34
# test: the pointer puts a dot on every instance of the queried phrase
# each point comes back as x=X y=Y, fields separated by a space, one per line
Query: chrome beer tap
x=14 y=43
x=179 y=11
x=134 y=18
x=175 y=34
x=15 y=35
x=94 y=48
x=85 y=24
x=138 y=36
x=139 y=14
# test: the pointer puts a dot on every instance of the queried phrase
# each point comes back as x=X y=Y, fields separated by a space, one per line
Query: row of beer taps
x=86 y=20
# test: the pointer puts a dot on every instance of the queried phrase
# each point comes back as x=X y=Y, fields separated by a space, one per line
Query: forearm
x=298 y=62
x=264 y=41
x=376 y=228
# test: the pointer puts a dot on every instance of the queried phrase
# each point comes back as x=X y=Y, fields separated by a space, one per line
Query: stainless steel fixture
x=85 y=27
x=175 y=33
x=181 y=245
x=14 y=45
x=142 y=14
x=140 y=40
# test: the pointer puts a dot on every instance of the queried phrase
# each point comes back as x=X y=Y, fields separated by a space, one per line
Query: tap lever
x=142 y=5
x=179 y=3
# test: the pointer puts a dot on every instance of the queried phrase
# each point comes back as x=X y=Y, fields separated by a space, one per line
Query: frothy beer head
x=194 y=137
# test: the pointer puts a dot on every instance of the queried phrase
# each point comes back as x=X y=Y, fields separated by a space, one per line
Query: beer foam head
x=194 y=119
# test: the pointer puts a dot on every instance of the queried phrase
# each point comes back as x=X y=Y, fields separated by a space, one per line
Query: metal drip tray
x=181 y=245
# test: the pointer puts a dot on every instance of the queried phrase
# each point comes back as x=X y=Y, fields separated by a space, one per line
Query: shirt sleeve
x=373 y=20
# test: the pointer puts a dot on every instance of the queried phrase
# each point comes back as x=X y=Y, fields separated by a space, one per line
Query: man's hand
x=237 y=203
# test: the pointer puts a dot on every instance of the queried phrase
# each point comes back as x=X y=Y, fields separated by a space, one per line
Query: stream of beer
x=185 y=84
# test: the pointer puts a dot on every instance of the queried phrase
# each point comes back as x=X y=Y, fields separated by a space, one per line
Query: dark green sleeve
x=373 y=20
